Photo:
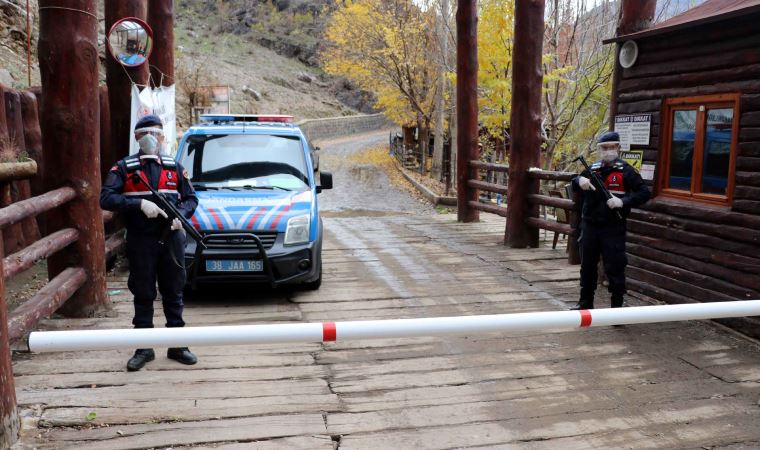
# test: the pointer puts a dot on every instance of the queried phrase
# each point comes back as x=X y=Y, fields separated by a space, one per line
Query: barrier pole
x=56 y=341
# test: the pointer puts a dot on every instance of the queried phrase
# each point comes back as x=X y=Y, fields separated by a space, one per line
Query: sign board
x=634 y=158
x=212 y=100
x=647 y=171
x=218 y=99
x=633 y=129
x=159 y=101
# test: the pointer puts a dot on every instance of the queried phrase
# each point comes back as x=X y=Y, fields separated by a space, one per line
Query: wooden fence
x=569 y=205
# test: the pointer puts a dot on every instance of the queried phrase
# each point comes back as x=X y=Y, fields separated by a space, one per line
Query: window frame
x=670 y=105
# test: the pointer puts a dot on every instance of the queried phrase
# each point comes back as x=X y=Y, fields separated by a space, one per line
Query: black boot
x=583 y=304
x=182 y=354
x=141 y=357
x=618 y=301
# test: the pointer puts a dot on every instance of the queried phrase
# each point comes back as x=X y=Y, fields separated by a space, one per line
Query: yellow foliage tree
x=495 y=40
x=384 y=46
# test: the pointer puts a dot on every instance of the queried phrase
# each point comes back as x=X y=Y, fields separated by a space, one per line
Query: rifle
x=173 y=213
x=598 y=183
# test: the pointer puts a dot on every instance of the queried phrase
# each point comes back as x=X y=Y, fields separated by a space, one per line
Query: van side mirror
x=315 y=159
x=325 y=181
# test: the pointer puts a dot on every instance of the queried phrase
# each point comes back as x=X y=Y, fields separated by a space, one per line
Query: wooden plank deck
x=685 y=385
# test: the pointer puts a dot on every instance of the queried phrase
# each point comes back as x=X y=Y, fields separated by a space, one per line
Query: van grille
x=243 y=240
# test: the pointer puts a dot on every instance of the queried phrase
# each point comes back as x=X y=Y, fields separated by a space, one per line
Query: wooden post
x=9 y=423
x=120 y=79
x=573 y=250
x=23 y=189
x=467 y=106
x=161 y=20
x=70 y=121
x=107 y=159
x=13 y=235
x=527 y=76
x=635 y=15
x=33 y=137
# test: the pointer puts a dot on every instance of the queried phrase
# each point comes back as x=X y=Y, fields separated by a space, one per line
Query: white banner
x=158 y=101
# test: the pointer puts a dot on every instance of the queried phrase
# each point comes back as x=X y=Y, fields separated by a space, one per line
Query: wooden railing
x=570 y=205
x=476 y=167
x=61 y=287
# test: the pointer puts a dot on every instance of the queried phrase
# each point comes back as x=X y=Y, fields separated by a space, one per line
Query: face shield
x=608 y=151
x=151 y=140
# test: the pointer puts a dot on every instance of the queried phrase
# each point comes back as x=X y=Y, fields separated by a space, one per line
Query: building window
x=699 y=147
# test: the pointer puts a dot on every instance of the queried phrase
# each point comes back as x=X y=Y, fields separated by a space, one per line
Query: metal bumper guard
x=268 y=271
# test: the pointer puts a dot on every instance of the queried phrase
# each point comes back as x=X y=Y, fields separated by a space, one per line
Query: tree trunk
x=440 y=101
x=424 y=137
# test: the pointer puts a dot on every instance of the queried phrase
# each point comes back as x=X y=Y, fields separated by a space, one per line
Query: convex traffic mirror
x=130 y=41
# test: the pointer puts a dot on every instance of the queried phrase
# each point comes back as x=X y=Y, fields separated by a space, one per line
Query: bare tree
x=577 y=76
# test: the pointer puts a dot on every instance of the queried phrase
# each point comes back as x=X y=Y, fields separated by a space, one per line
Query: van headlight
x=298 y=230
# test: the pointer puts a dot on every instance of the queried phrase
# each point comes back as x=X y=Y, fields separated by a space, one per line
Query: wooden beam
x=551 y=175
x=9 y=423
x=114 y=243
x=556 y=202
x=107 y=158
x=550 y=225
x=33 y=137
x=35 y=205
x=480 y=165
x=47 y=300
x=525 y=123
x=70 y=121
x=635 y=15
x=14 y=237
x=161 y=20
x=467 y=106
x=23 y=188
x=493 y=209
x=44 y=248
x=491 y=187
x=11 y=171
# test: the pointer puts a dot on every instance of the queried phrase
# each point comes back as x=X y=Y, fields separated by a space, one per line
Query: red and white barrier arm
x=75 y=340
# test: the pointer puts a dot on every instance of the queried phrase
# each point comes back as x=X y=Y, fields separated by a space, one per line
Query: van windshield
x=245 y=161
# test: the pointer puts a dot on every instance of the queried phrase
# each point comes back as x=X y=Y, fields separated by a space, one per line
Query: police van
x=257 y=181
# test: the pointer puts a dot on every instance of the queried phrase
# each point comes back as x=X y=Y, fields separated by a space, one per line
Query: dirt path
x=674 y=385
x=362 y=188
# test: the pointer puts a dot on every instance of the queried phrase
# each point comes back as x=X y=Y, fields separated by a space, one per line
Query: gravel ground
x=363 y=189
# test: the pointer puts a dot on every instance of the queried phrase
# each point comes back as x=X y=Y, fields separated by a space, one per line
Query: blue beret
x=151 y=120
x=609 y=136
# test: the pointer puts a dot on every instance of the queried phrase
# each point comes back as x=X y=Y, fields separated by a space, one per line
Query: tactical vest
x=613 y=181
x=136 y=183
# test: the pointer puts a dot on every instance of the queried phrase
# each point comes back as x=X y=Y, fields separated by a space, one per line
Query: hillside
x=266 y=51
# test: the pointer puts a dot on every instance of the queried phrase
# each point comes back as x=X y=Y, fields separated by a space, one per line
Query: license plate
x=234 y=265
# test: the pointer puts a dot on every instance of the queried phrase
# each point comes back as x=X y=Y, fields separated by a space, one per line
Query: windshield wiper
x=271 y=188
x=203 y=187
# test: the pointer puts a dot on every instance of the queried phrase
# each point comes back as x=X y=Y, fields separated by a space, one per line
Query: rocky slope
x=265 y=50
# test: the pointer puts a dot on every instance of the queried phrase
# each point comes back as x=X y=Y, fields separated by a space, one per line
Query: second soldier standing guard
x=151 y=258
x=603 y=224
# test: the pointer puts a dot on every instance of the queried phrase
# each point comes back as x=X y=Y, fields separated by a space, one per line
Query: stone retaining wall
x=334 y=127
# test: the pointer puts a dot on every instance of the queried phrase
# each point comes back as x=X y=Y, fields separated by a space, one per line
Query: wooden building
x=694 y=81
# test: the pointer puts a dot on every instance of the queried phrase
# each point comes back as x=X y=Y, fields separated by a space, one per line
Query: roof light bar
x=246 y=118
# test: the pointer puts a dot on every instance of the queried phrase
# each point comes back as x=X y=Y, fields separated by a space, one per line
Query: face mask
x=608 y=155
x=149 y=144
